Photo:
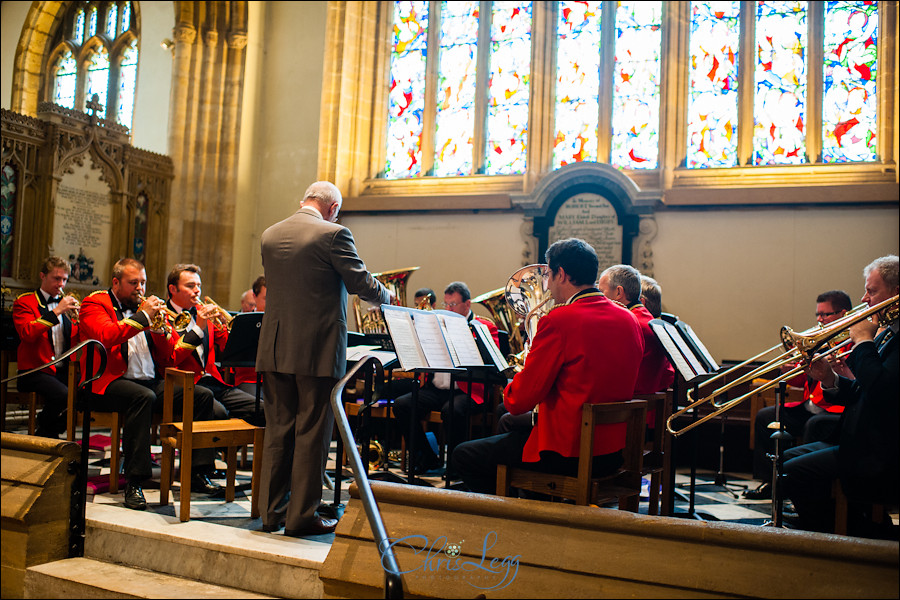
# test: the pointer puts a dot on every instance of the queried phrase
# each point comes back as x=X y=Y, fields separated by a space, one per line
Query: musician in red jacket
x=41 y=319
x=120 y=319
x=587 y=349
x=435 y=395
x=204 y=335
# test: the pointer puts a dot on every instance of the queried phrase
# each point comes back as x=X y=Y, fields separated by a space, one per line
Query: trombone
x=803 y=346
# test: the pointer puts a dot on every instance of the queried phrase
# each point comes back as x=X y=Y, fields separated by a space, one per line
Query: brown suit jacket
x=310 y=266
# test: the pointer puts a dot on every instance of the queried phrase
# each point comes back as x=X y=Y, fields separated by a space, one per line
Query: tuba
x=528 y=293
x=504 y=317
x=372 y=321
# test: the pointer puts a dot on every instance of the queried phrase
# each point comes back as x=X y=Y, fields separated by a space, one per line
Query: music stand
x=240 y=349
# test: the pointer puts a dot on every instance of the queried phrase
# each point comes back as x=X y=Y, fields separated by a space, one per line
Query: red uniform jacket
x=587 y=351
x=33 y=321
x=478 y=388
x=102 y=320
x=187 y=357
x=656 y=373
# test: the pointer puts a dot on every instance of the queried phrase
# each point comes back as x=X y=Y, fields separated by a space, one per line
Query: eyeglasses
x=822 y=315
x=451 y=304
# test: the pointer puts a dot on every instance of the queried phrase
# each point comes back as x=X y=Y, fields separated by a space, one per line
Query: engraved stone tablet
x=592 y=218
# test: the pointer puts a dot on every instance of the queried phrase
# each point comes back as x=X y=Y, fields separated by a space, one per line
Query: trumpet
x=222 y=317
x=805 y=347
x=157 y=323
x=72 y=313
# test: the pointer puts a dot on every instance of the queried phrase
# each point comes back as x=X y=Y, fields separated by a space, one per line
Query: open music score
x=431 y=340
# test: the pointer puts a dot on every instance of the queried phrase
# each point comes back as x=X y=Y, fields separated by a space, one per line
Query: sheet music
x=431 y=338
x=460 y=340
x=487 y=340
x=403 y=334
x=686 y=329
x=357 y=352
x=661 y=329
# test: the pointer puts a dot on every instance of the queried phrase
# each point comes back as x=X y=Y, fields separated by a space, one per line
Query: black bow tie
x=54 y=300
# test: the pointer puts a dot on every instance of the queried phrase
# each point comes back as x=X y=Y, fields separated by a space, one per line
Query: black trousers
x=476 y=461
x=232 y=402
x=136 y=401
x=432 y=398
x=799 y=422
x=54 y=389
x=808 y=472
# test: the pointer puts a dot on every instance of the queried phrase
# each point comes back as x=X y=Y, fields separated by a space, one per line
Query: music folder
x=243 y=339
x=435 y=340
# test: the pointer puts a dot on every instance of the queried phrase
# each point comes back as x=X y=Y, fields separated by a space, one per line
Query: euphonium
x=528 y=293
x=372 y=321
x=504 y=317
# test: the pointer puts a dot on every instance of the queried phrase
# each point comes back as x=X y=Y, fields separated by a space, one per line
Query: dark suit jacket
x=310 y=266
x=868 y=455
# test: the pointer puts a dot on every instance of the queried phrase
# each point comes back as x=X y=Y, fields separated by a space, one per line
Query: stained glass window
x=635 y=108
x=126 y=17
x=112 y=16
x=577 y=82
x=92 y=23
x=779 y=106
x=78 y=33
x=127 y=80
x=407 y=90
x=510 y=73
x=8 y=182
x=849 y=99
x=66 y=76
x=140 y=227
x=455 y=121
x=713 y=83
x=98 y=79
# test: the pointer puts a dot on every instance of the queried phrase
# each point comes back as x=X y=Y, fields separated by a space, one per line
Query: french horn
x=504 y=317
x=371 y=320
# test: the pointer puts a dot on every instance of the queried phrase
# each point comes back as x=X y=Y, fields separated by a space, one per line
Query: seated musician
x=203 y=336
x=248 y=301
x=813 y=418
x=651 y=296
x=587 y=349
x=865 y=458
x=245 y=377
x=424 y=295
x=120 y=318
x=435 y=395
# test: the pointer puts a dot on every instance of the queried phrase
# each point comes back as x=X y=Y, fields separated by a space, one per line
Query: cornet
x=157 y=323
x=222 y=318
x=72 y=313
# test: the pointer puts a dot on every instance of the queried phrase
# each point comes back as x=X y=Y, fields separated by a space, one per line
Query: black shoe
x=46 y=433
x=134 y=497
x=426 y=463
x=319 y=526
x=762 y=492
x=201 y=484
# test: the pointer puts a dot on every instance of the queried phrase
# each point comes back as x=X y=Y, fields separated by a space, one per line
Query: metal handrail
x=78 y=511
x=393 y=582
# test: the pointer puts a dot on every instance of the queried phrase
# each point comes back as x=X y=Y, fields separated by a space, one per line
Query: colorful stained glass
x=8 y=182
x=79 y=26
x=98 y=79
x=510 y=74
x=635 y=107
x=112 y=16
x=92 y=23
x=140 y=227
x=779 y=106
x=64 y=82
x=407 y=92
x=126 y=16
x=577 y=82
x=849 y=108
x=713 y=93
x=455 y=119
x=127 y=81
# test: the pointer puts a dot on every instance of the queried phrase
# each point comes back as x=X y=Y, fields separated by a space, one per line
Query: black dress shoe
x=272 y=528
x=320 y=526
x=201 y=484
x=763 y=492
x=134 y=497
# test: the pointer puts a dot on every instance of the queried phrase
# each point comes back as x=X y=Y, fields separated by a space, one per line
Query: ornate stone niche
x=595 y=202
x=72 y=180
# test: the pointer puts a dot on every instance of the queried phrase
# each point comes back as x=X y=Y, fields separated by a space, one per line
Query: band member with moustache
x=866 y=456
x=132 y=383
x=434 y=394
x=587 y=349
x=203 y=337
x=41 y=319
x=313 y=264
x=813 y=418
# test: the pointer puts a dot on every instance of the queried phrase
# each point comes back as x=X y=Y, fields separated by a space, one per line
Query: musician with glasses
x=813 y=418
x=203 y=336
x=435 y=394
x=587 y=349
x=866 y=456
x=121 y=319
x=42 y=321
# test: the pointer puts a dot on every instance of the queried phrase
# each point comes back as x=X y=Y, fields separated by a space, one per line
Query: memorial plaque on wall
x=81 y=224
x=592 y=218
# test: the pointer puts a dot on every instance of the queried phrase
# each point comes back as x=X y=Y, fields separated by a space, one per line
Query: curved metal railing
x=393 y=582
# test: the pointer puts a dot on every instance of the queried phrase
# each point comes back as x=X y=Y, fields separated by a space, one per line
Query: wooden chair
x=6 y=397
x=112 y=420
x=841 y=508
x=624 y=485
x=189 y=435
x=657 y=462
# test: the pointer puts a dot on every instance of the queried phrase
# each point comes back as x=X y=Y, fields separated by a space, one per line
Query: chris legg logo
x=443 y=558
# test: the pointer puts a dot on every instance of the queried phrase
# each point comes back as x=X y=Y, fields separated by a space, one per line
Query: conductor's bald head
x=326 y=197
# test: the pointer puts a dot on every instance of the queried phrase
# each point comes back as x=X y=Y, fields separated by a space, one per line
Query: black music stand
x=240 y=349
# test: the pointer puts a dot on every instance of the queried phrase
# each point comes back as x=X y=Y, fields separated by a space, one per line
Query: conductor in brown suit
x=310 y=265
